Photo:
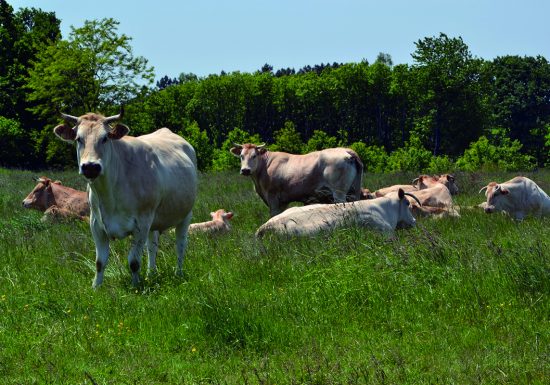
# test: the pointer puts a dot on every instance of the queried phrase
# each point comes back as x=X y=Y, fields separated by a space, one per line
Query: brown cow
x=328 y=176
x=386 y=190
x=435 y=201
x=57 y=201
x=218 y=224
x=427 y=181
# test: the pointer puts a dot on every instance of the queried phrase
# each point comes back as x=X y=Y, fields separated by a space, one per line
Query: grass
x=453 y=301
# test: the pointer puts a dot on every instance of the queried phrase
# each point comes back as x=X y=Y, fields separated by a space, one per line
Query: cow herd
x=142 y=186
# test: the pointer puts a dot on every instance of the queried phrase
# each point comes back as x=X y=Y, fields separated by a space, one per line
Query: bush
x=222 y=158
x=287 y=139
x=319 y=141
x=374 y=157
x=412 y=157
x=501 y=153
x=440 y=165
x=202 y=145
x=10 y=137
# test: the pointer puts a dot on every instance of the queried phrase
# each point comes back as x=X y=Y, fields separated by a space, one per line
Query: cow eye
x=104 y=140
x=242 y=156
x=79 y=140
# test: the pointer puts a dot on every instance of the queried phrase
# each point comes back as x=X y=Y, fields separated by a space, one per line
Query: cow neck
x=105 y=185
x=261 y=170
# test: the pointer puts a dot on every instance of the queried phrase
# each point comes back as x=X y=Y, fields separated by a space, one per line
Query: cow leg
x=181 y=242
x=339 y=196
x=101 y=250
x=276 y=207
x=152 y=247
x=134 y=257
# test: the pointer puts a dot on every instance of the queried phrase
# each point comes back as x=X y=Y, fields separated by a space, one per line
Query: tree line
x=448 y=107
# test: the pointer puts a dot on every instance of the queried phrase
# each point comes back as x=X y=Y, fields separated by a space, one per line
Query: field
x=452 y=301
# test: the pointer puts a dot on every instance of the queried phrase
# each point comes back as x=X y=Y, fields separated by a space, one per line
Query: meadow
x=451 y=301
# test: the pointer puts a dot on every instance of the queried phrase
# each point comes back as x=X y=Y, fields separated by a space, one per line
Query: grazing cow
x=518 y=197
x=426 y=181
x=137 y=186
x=327 y=176
x=57 y=201
x=383 y=214
x=218 y=224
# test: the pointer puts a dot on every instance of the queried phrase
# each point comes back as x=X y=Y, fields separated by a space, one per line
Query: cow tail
x=354 y=193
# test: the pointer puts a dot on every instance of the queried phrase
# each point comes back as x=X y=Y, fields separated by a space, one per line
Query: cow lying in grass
x=57 y=201
x=517 y=197
x=218 y=224
x=383 y=214
x=427 y=181
x=435 y=202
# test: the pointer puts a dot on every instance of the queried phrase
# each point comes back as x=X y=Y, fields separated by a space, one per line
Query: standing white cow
x=328 y=176
x=137 y=186
x=518 y=197
x=383 y=214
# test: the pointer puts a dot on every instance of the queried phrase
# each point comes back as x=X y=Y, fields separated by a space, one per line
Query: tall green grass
x=454 y=301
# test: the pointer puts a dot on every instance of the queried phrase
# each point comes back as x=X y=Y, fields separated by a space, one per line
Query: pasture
x=452 y=301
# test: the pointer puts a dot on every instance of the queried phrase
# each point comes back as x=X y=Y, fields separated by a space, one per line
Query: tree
x=448 y=78
x=94 y=70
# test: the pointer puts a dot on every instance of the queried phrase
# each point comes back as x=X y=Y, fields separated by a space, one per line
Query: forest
x=448 y=110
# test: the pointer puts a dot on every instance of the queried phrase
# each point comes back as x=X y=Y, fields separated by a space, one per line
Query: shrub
x=440 y=165
x=412 y=157
x=319 y=141
x=222 y=159
x=10 y=137
x=201 y=143
x=374 y=157
x=287 y=139
x=500 y=153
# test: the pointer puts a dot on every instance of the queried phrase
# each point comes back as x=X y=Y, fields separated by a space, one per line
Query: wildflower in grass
x=193 y=349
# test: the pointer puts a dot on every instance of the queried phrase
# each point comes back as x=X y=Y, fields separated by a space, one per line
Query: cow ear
x=65 y=132
x=401 y=194
x=504 y=191
x=118 y=131
x=228 y=215
x=57 y=182
x=236 y=151
x=212 y=213
x=262 y=150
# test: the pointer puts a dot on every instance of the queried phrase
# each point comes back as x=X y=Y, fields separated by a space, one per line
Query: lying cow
x=57 y=201
x=427 y=181
x=218 y=224
x=435 y=202
x=328 y=176
x=393 y=189
x=383 y=214
x=137 y=186
x=518 y=197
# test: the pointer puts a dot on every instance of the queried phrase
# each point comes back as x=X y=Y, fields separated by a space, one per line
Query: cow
x=137 y=186
x=328 y=176
x=218 y=224
x=427 y=181
x=57 y=201
x=383 y=214
x=434 y=202
x=395 y=188
x=518 y=197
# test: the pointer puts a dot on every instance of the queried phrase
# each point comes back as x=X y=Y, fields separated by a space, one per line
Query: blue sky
x=206 y=36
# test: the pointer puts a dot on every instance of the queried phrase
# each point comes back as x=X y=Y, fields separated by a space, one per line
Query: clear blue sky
x=207 y=36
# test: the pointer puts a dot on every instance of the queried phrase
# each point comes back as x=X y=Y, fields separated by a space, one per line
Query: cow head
x=449 y=181
x=427 y=181
x=250 y=155
x=405 y=217
x=497 y=198
x=93 y=135
x=222 y=215
x=41 y=197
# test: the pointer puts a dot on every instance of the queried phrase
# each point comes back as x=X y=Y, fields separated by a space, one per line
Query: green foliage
x=222 y=158
x=202 y=145
x=440 y=165
x=287 y=139
x=501 y=153
x=374 y=157
x=412 y=157
x=94 y=70
x=319 y=141
x=10 y=137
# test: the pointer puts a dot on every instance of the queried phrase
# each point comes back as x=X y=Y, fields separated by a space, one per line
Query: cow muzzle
x=245 y=171
x=489 y=209
x=90 y=170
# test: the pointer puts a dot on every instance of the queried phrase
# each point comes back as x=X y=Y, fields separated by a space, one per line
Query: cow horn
x=69 y=118
x=415 y=198
x=261 y=145
x=237 y=145
x=114 y=117
x=415 y=180
x=483 y=188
